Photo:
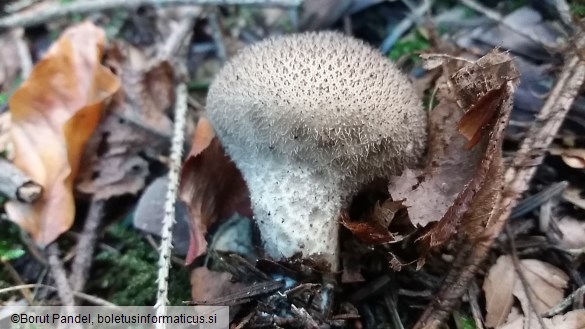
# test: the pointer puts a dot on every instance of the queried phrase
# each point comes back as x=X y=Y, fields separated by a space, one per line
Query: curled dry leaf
x=546 y=284
x=572 y=320
x=135 y=129
x=211 y=186
x=54 y=113
x=498 y=286
x=466 y=132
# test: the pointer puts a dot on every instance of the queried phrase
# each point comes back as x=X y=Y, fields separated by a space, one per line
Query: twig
x=58 y=10
x=26 y=62
x=89 y=298
x=217 y=35
x=26 y=293
x=176 y=260
x=171 y=197
x=534 y=201
x=176 y=40
x=86 y=246
x=60 y=276
x=472 y=293
x=404 y=26
x=16 y=185
x=181 y=107
x=517 y=179
x=523 y=280
x=394 y=315
x=563 y=304
x=495 y=16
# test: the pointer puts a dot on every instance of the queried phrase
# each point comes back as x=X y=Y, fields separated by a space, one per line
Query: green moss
x=129 y=277
x=578 y=9
x=10 y=245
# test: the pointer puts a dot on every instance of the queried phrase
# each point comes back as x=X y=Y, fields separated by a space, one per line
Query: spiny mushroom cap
x=322 y=98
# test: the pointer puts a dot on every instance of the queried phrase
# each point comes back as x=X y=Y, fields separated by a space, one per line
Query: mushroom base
x=296 y=208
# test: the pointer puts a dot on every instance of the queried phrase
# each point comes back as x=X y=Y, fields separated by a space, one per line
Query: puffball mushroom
x=309 y=118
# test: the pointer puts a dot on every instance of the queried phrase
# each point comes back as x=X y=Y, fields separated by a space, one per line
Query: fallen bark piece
x=16 y=185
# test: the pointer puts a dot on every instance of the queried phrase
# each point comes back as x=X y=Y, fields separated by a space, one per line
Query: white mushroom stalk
x=308 y=119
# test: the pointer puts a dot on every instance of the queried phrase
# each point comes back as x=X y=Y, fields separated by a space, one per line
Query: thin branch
x=523 y=280
x=17 y=185
x=404 y=26
x=88 y=298
x=182 y=32
x=58 y=10
x=217 y=35
x=171 y=198
x=26 y=293
x=60 y=276
x=86 y=246
x=472 y=293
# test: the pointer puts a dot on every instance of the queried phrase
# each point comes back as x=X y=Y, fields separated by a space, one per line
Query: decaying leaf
x=54 y=113
x=571 y=320
x=211 y=186
x=466 y=132
x=498 y=286
x=545 y=285
x=135 y=129
x=574 y=158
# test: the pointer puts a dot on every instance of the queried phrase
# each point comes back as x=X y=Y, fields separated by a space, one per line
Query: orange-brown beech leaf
x=135 y=129
x=458 y=168
x=54 y=113
x=211 y=186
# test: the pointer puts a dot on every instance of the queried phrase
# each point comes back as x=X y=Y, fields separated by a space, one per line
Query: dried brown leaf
x=497 y=287
x=546 y=285
x=54 y=113
x=211 y=187
x=572 y=320
x=475 y=99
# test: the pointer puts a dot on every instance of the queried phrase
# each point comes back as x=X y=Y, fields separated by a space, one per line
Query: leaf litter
x=467 y=207
x=135 y=130
x=545 y=288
